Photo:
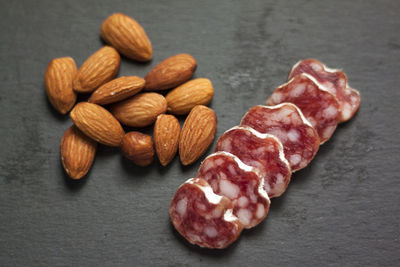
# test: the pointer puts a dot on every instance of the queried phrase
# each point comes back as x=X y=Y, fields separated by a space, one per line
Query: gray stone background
x=343 y=210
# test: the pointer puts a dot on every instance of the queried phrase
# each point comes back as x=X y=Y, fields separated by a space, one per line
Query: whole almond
x=138 y=147
x=98 y=69
x=77 y=152
x=184 y=97
x=117 y=90
x=166 y=137
x=171 y=72
x=58 y=79
x=140 y=110
x=127 y=36
x=97 y=123
x=197 y=134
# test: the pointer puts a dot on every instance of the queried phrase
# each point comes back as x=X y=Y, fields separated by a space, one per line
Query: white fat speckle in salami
x=210 y=231
x=229 y=189
x=277 y=97
x=328 y=131
x=279 y=177
x=197 y=226
x=330 y=112
x=232 y=170
x=226 y=145
x=207 y=176
x=244 y=216
x=346 y=111
x=219 y=162
x=293 y=135
x=354 y=99
x=216 y=213
x=281 y=134
x=259 y=150
x=316 y=66
x=260 y=210
x=312 y=121
x=201 y=206
x=243 y=201
x=208 y=165
x=298 y=90
x=342 y=83
x=295 y=159
x=181 y=206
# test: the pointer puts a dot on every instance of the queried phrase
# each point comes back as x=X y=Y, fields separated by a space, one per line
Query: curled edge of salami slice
x=310 y=100
x=275 y=181
x=242 y=184
x=336 y=82
x=286 y=121
x=202 y=217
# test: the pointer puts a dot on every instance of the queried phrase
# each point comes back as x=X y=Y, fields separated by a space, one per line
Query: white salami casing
x=202 y=217
x=299 y=139
x=262 y=151
x=335 y=81
x=230 y=177
x=320 y=107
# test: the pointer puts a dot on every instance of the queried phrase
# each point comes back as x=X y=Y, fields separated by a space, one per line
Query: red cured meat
x=335 y=81
x=202 y=217
x=230 y=177
x=299 y=139
x=262 y=151
x=320 y=107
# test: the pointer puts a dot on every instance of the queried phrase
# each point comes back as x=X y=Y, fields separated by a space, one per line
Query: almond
x=97 y=123
x=127 y=36
x=166 y=137
x=138 y=147
x=140 y=110
x=117 y=90
x=197 y=134
x=184 y=97
x=58 y=78
x=77 y=152
x=171 y=72
x=98 y=69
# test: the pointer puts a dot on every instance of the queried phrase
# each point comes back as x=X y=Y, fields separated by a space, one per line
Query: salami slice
x=202 y=217
x=335 y=81
x=263 y=151
x=299 y=139
x=230 y=177
x=320 y=107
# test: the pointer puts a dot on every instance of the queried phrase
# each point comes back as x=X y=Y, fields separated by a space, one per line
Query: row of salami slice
x=254 y=161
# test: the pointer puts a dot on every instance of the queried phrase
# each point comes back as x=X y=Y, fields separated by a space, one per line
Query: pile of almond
x=131 y=102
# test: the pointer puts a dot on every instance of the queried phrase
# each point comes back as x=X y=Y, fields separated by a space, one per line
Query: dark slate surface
x=343 y=210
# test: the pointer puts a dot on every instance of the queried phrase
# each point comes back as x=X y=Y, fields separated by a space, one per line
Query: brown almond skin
x=166 y=137
x=117 y=90
x=58 y=79
x=77 y=153
x=140 y=110
x=138 y=148
x=127 y=36
x=183 y=98
x=97 y=123
x=197 y=134
x=98 y=69
x=171 y=72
